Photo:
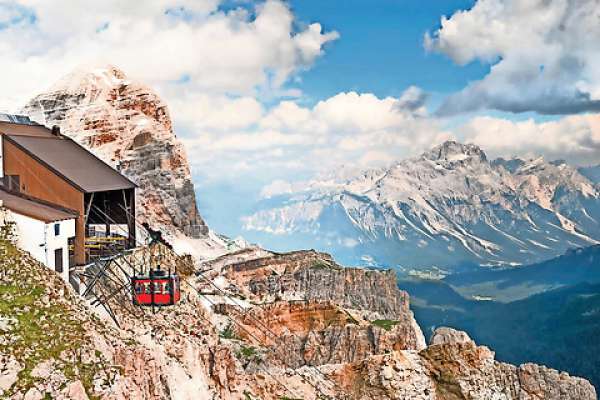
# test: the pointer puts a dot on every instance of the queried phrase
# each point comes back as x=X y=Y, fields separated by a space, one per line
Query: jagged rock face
x=311 y=275
x=318 y=332
x=449 y=207
x=467 y=371
x=127 y=125
x=456 y=371
x=53 y=346
x=56 y=347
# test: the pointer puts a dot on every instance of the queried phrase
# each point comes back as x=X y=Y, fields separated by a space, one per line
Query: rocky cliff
x=127 y=125
x=219 y=344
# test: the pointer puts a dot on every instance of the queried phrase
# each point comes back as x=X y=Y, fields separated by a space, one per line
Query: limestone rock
x=127 y=125
x=318 y=332
x=75 y=391
x=9 y=370
x=463 y=370
x=310 y=275
x=398 y=376
x=539 y=382
x=446 y=335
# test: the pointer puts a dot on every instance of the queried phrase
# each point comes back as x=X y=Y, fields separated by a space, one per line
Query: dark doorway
x=58 y=260
x=109 y=223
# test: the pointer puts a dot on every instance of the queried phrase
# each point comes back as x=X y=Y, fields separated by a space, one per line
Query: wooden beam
x=87 y=210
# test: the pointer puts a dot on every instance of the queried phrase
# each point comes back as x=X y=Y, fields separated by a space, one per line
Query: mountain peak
x=98 y=77
x=128 y=125
x=454 y=151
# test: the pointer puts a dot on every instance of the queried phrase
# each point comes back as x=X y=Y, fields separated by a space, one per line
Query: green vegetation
x=39 y=329
x=386 y=324
x=48 y=331
x=320 y=264
x=228 y=333
x=246 y=352
x=7 y=231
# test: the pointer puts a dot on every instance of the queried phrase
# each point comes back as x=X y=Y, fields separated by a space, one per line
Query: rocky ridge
x=127 y=125
x=219 y=344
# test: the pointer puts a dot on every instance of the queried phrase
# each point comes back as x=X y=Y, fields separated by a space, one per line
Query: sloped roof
x=11 y=128
x=72 y=162
x=34 y=209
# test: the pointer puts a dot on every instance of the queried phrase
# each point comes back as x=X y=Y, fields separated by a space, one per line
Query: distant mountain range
x=557 y=323
x=592 y=173
x=449 y=208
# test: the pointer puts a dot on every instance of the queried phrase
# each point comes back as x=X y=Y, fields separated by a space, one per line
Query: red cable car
x=158 y=289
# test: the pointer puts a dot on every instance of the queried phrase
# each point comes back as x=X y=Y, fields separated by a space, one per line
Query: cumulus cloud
x=543 y=55
x=413 y=99
x=574 y=138
x=359 y=129
x=275 y=188
x=179 y=46
x=197 y=112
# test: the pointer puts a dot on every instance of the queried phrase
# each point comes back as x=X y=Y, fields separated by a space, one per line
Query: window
x=12 y=183
x=58 y=260
x=56 y=229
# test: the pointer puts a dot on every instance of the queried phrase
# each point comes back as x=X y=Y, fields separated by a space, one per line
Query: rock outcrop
x=319 y=332
x=127 y=125
x=446 y=335
x=462 y=370
x=310 y=275
x=53 y=346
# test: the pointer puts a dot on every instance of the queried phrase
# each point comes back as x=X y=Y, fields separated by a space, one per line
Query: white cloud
x=287 y=116
x=353 y=112
x=544 y=55
x=196 y=112
x=574 y=138
x=351 y=128
x=277 y=187
x=160 y=42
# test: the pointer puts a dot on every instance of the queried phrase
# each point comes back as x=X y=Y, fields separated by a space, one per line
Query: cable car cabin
x=157 y=289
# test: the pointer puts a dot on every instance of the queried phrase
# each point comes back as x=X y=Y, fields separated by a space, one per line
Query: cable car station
x=85 y=212
x=46 y=166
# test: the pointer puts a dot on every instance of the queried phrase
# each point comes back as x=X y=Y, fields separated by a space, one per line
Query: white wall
x=61 y=241
x=31 y=236
x=1 y=158
x=38 y=238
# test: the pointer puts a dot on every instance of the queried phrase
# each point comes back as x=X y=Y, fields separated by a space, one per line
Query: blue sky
x=381 y=48
x=381 y=51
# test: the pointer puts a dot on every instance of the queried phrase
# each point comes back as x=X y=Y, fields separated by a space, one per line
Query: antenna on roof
x=56 y=130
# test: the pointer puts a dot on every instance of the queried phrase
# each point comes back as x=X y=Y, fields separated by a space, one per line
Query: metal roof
x=34 y=209
x=11 y=128
x=72 y=162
